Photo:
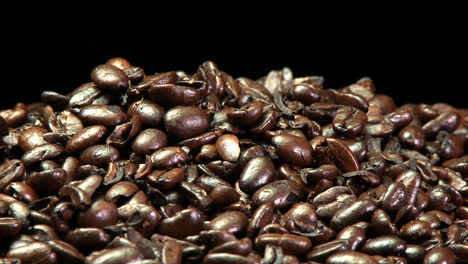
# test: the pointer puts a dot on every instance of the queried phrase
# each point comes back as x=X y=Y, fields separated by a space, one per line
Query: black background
x=414 y=54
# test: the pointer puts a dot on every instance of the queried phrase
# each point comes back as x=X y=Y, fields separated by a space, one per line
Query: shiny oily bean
x=47 y=182
x=440 y=255
x=223 y=195
x=31 y=138
x=384 y=245
x=166 y=180
x=321 y=252
x=354 y=235
x=66 y=253
x=99 y=155
x=280 y=193
x=304 y=92
x=186 y=121
x=106 y=115
x=108 y=77
x=226 y=258
x=114 y=256
x=240 y=247
x=261 y=217
x=258 y=172
x=9 y=227
x=168 y=157
x=171 y=253
x=394 y=197
x=22 y=192
x=148 y=141
x=412 y=137
x=358 y=211
x=41 y=153
x=87 y=239
x=381 y=223
x=350 y=257
x=85 y=138
x=173 y=95
x=349 y=121
x=231 y=221
x=247 y=115
x=301 y=217
x=12 y=170
x=228 y=147
x=416 y=230
x=448 y=121
x=120 y=63
x=293 y=150
x=213 y=238
x=33 y=252
x=186 y=223
x=291 y=244
x=100 y=214
x=150 y=113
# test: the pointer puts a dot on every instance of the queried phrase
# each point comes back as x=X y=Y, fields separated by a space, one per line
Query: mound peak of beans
x=205 y=168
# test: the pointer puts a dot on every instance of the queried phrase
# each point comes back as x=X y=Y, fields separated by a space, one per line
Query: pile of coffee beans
x=205 y=168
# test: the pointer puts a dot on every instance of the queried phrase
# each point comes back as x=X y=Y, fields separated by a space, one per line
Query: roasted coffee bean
x=258 y=172
x=280 y=193
x=109 y=77
x=228 y=147
x=321 y=252
x=88 y=239
x=440 y=255
x=448 y=121
x=99 y=155
x=247 y=115
x=106 y=115
x=384 y=245
x=358 y=211
x=100 y=214
x=291 y=244
x=349 y=121
x=292 y=149
x=48 y=181
x=31 y=138
x=332 y=200
x=41 y=153
x=261 y=217
x=66 y=252
x=381 y=223
x=172 y=95
x=226 y=258
x=186 y=223
x=333 y=151
x=10 y=171
x=304 y=92
x=186 y=121
x=114 y=256
x=151 y=114
x=120 y=63
x=148 y=141
x=35 y=252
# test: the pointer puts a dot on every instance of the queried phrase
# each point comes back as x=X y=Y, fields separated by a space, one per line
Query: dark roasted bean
x=148 y=141
x=106 y=115
x=258 y=172
x=349 y=121
x=280 y=193
x=293 y=149
x=186 y=121
x=291 y=244
x=109 y=77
